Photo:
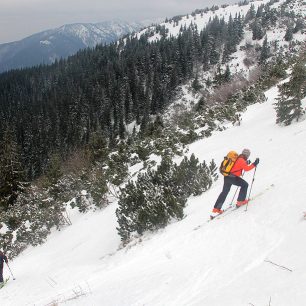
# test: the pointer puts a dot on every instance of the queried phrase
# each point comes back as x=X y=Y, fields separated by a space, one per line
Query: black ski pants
x=228 y=182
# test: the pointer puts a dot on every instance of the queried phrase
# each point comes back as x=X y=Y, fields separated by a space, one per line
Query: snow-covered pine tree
x=192 y=177
x=30 y=220
x=160 y=195
x=289 y=33
x=196 y=84
x=250 y=14
x=299 y=25
x=289 y=106
x=257 y=30
x=98 y=188
x=97 y=147
x=227 y=74
x=265 y=51
x=144 y=206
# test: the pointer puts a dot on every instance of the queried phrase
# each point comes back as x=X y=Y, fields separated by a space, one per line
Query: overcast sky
x=21 y=18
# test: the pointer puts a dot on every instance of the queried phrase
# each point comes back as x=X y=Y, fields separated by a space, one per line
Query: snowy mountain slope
x=61 y=42
x=201 y=20
x=225 y=262
x=103 y=32
x=275 y=36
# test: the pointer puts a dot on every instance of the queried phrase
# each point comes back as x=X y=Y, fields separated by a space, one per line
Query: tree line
x=58 y=108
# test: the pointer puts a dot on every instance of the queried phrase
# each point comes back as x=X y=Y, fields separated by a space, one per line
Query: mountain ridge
x=46 y=46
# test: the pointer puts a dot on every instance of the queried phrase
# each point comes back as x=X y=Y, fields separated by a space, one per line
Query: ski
x=232 y=208
x=225 y=211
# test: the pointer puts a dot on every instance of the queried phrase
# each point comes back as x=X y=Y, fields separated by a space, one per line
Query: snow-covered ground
x=201 y=20
x=275 y=36
x=229 y=261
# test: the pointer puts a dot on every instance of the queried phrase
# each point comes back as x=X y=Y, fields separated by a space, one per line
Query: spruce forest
x=70 y=131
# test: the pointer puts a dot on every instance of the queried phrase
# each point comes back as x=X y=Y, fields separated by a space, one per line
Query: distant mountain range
x=47 y=46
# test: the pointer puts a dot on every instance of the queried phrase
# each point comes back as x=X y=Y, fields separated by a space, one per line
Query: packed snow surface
x=245 y=258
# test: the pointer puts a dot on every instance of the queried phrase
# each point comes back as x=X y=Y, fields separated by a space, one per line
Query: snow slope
x=225 y=262
x=201 y=20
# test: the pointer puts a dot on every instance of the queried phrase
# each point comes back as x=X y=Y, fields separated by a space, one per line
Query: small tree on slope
x=161 y=195
x=289 y=105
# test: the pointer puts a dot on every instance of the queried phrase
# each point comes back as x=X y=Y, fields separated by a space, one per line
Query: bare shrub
x=223 y=92
x=251 y=54
x=76 y=162
x=255 y=74
x=248 y=62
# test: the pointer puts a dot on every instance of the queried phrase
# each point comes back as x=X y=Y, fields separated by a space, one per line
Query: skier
x=3 y=259
x=234 y=178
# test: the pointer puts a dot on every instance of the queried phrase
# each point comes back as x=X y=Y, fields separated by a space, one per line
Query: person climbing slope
x=3 y=259
x=233 y=177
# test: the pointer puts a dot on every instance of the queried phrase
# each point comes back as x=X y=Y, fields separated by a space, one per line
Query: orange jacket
x=241 y=164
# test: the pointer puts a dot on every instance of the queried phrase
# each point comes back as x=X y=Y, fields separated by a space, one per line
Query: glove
x=248 y=162
x=256 y=162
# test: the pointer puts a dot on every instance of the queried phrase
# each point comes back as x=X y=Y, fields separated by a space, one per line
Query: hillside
x=60 y=109
x=200 y=18
x=103 y=122
x=224 y=262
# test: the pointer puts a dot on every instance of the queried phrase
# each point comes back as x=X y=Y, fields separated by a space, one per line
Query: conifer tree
x=54 y=172
x=12 y=177
x=299 y=25
x=218 y=76
x=265 y=51
x=260 y=10
x=257 y=30
x=289 y=106
x=251 y=13
x=226 y=52
x=289 y=33
x=196 y=84
x=158 y=196
x=227 y=74
x=97 y=146
x=53 y=175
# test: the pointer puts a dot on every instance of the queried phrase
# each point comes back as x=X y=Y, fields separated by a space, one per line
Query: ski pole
x=246 y=208
x=10 y=271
